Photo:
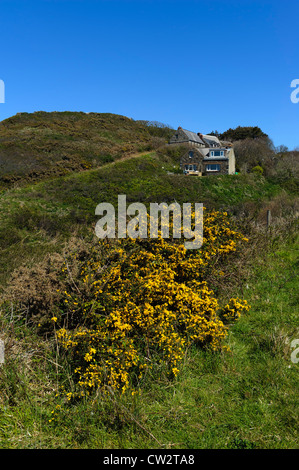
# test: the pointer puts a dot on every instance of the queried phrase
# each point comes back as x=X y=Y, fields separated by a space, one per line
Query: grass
x=243 y=399
x=37 y=146
x=38 y=218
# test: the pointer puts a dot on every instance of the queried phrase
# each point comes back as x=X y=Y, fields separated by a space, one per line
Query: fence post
x=1 y=352
x=268 y=218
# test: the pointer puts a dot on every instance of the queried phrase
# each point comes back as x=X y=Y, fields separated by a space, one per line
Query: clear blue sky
x=204 y=65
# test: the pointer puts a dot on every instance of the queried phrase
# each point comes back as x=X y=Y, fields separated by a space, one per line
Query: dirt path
x=125 y=157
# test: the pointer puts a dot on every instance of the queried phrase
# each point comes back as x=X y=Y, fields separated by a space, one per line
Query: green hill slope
x=41 y=145
x=38 y=218
x=242 y=399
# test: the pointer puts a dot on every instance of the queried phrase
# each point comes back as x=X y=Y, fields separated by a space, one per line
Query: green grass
x=38 y=218
x=243 y=399
x=37 y=146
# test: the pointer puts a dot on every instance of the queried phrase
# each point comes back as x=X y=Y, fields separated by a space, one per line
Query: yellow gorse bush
x=137 y=304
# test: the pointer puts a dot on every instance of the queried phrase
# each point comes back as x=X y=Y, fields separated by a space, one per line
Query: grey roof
x=207 y=139
x=205 y=152
x=193 y=136
x=211 y=139
x=226 y=143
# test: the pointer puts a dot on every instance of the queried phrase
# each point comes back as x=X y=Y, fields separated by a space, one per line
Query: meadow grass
x=246 y=398
x=39 y=218
x=243 y=399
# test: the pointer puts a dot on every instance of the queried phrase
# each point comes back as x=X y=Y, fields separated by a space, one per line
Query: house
x=205 y=154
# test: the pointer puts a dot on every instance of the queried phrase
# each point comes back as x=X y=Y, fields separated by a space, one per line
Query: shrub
x=139 y=304
x=257 y=170
x=36 y=291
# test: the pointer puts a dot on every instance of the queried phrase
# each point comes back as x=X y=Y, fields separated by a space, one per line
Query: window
x=216 y=153
x=190 y=167
x=191 y=154
x=213 y=167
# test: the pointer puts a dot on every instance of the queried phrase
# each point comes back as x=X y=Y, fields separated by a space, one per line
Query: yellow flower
x=145 y=303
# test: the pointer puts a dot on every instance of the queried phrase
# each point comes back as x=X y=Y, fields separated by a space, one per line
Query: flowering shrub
x=138 y=303
x=233 y=309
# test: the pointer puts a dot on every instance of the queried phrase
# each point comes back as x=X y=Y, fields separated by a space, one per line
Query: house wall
x=227 y=166
x=223 y=167
x=197 y=159
x=231 y=162
x=178 y=137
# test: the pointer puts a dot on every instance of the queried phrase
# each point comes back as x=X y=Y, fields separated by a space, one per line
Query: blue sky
x=203 y=65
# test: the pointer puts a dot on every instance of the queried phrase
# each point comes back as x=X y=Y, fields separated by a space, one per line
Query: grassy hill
x=42 y=216
x=242 y=399
x=41 y=145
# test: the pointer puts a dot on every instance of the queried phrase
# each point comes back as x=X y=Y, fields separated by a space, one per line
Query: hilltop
x=46 y=145
x=35 y=146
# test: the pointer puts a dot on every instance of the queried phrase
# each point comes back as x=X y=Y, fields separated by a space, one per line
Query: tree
x=254 y=152
x=242 y=133
x=282 y=149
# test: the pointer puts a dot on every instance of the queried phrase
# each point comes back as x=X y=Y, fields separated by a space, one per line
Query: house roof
x=204 y=151
x=202 y=139
x=226 y=143
x=193 y=136
x=211 y=139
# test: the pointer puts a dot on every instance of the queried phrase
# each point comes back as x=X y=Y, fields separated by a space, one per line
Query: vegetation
x=139 y=304
x=39 y=218
x=41 y=145
x=240 y=133
x=141 y=343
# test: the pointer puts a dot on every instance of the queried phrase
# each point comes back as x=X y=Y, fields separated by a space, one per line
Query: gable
x=193 y=155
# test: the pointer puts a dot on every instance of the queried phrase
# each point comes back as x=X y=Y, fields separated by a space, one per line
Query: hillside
x=39 y=217
x=35 y=146
x=240 y=396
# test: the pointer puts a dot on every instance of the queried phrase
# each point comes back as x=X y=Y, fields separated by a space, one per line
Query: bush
x=138 y=304
x=258 y=170
x=36 y=291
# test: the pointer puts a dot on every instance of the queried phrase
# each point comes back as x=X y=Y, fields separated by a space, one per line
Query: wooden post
x=1 y=352
x=268 y=218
